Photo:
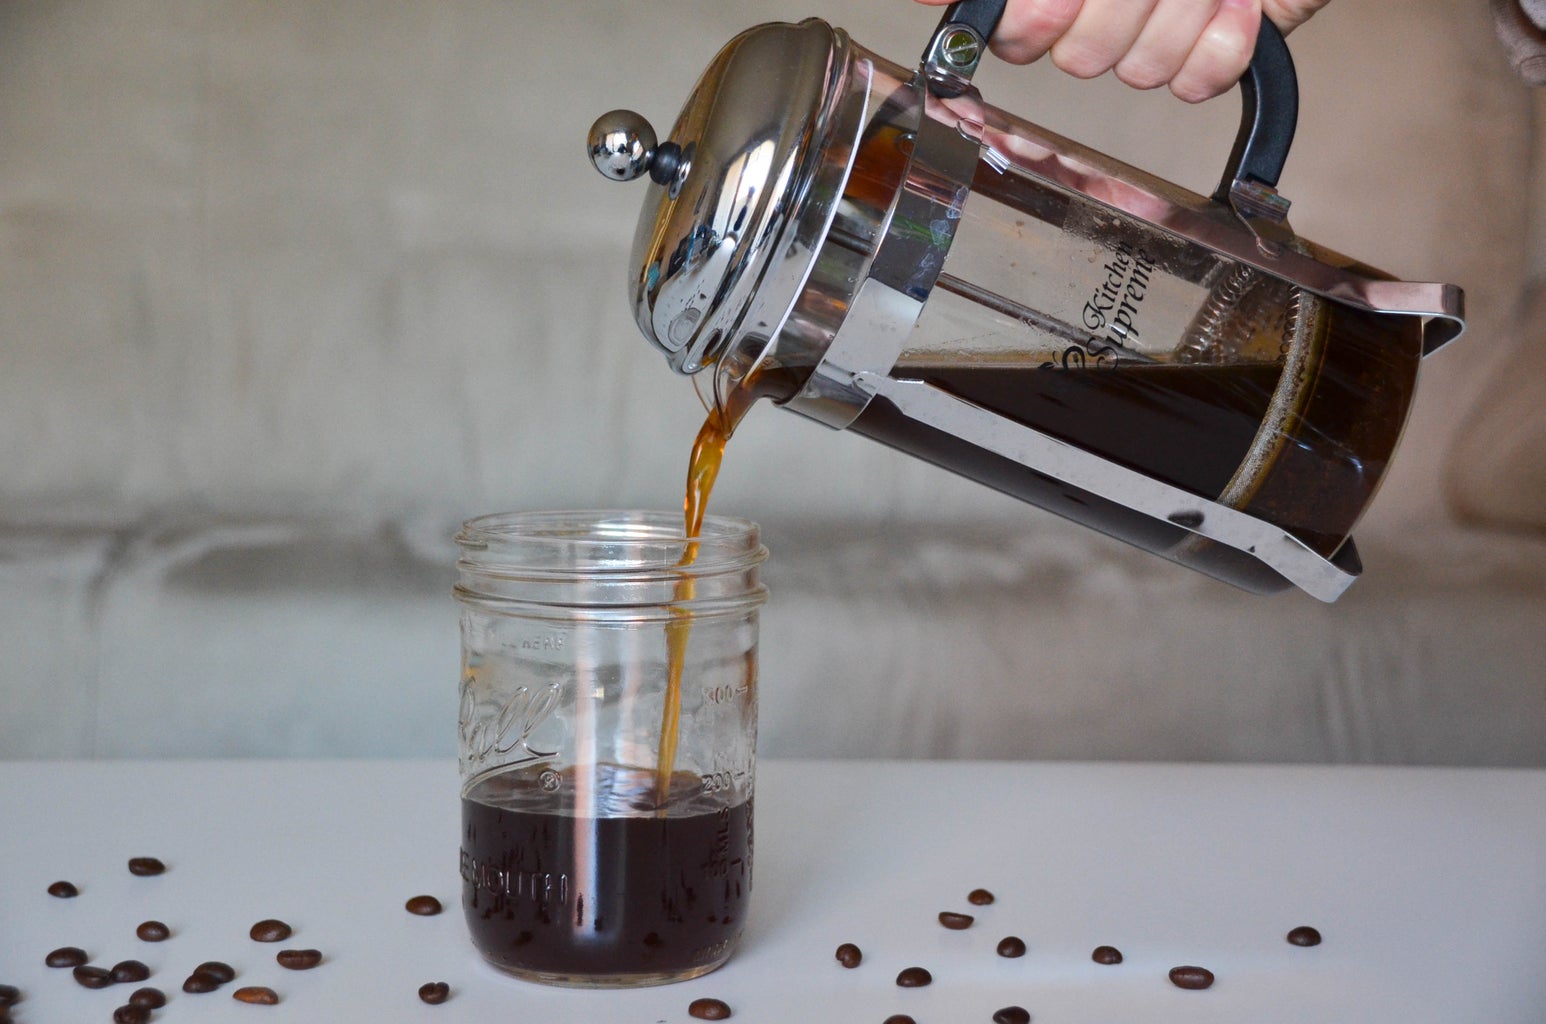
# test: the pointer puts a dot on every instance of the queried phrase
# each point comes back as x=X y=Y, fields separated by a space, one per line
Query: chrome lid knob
x=622 y=145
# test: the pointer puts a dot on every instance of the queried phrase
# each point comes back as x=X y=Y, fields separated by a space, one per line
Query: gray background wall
x=288 y=289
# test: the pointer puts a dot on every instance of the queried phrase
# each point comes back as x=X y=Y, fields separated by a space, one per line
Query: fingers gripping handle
x=1269 y=90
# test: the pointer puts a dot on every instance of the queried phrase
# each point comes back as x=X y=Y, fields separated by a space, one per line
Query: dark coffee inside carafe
x=1194 y=426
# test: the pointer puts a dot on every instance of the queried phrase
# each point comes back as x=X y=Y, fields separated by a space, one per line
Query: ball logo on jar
x=487 y=736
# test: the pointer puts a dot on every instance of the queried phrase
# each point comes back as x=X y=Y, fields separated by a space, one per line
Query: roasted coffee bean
x=424 y=906
x=1304 y=935
x=150 y=998
x=956 y=922
x=145 y=866
x=1011 y=946
x=979 y=897
x=201 y=981
x=1191 y=977
x=64 y=890
x=66 y=956
x=153 y=931
x=217 y=969
x=435 y=992
x=1012 y=1015
x=130 y=970
x=914 y=977
x=93 y=977
x=899 y=1018
x=257 y=994
x=709 y=1009
x=299 y=959
x=131 y=1014
x=849 y=955
x=10 y=995
x=1106 y=955
x=270 y=930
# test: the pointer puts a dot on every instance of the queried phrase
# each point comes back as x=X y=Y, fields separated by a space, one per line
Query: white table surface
x=1429 y=886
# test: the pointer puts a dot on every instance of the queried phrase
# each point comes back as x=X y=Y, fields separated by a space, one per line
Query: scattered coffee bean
x=257 y=994
x=899 y=1018
x=153 y=931
x=435 y=992
x=131 y=1014
x=424 y=906
x=914 y=977
x=10 y=995
x=217 y=969
x=954 y=921
x=1106 y=955
x=1304 y=935
x=64 y=890
x=270 y=930
x=130 y=970
x=1011 y=946
x=979 y=897
x=849 y=955
x=201 y=981
x=66 y=956
x=1191 y=977
x=145 y=866
x=709 y=1009
x=299 y=959
x=150 y=998
x=1012 y=1015
x=93 y=977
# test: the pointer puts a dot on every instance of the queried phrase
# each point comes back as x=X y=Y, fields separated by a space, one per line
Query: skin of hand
x=1199 y=48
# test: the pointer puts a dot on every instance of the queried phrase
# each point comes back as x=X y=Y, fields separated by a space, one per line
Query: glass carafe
x=876 y=247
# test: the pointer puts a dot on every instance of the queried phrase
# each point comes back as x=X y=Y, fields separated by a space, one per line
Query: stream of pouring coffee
x=708 y=450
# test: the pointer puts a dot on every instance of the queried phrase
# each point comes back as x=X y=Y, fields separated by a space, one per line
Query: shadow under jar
x=607 y=740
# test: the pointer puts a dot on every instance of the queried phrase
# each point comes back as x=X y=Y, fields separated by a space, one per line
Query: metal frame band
x=914 y=237
x=1218 y=227
x=1281 y=551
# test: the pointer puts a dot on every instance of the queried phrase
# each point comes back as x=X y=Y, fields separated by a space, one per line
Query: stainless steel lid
x=727 y=187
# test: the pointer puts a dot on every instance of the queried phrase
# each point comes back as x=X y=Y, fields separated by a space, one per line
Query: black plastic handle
x=1269 y=93
x=1269 y=114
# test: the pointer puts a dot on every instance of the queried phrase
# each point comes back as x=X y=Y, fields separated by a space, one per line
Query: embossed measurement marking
x=724 y=693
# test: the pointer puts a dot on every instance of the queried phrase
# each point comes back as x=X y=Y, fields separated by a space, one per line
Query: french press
x=877 y=248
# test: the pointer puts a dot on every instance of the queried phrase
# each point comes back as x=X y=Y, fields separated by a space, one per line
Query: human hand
x=1199 y=48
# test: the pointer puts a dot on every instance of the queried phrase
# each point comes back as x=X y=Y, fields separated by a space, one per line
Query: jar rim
x=636 y=547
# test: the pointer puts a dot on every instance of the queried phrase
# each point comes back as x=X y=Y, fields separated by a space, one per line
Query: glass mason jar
x=607 y=739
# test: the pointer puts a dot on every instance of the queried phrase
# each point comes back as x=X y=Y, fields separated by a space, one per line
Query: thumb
x=1288 y=15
